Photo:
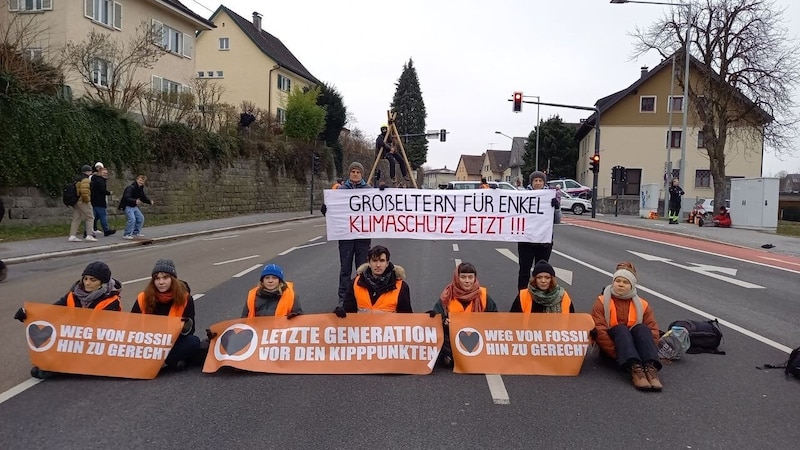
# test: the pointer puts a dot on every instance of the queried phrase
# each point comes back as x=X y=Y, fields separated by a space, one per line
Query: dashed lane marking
x=236 y=260
x=246 y=271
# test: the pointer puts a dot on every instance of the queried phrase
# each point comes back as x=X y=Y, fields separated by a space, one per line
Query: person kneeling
x=626 y=330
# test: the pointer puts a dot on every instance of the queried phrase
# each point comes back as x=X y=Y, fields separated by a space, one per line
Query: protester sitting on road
x=166 y=295
x=543 y=294
x=626 y=330
x=464 y=293
x=379 y=287
x=722 y=219
x=95 y=290
x=274 y=296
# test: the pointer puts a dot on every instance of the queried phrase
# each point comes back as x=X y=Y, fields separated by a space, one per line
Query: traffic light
x=517 y=102
x=594 y=163
x=315 y=163
x=442 y=135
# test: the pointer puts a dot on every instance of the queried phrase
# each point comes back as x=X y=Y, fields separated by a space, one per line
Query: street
x=709 y=401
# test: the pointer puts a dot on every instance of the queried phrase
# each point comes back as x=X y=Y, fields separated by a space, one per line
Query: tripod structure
x=394 y=136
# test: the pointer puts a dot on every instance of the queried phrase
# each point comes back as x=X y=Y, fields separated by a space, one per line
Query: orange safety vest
x=526 y=301
x=285 y=303
x=174 y=311
x=101 y=305
x=456 y=306
x=387 y=302
x=635 y=314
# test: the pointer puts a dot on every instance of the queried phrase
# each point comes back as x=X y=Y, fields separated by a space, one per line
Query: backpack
x=674 y=343
x=70 y=194
x=790 y=367
x=705 y=335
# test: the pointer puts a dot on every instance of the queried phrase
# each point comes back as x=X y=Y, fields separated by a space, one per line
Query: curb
x=99 y=248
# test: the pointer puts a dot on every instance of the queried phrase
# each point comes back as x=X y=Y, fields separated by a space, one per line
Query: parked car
x=477 y=185
x=705 y=207
x=572 y=187
x=577 y=205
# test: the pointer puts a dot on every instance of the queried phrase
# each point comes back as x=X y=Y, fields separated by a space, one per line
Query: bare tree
x=745 y=72
x=110 y=66
x=159 y=107
x=209 y=95
x=23 y=62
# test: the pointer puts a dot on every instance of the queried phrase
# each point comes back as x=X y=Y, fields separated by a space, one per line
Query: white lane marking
x=279 y=231
x=701 y=269
x=496 y=386
x=197 y=296
x=136 y=280
x=689 y=308
x=315 y=239
x=455 y=247
x=18 y=389
x=236 y=260
x=750 y=261
x=246 y=271
x=498 y=390
x=320 y=226
x=776 y=259
x=290 y=250
x=221 y=237
x=564 y=275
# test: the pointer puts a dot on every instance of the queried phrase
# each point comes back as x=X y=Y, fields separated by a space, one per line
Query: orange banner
x=92 y=342
x=520 y=344
x=326 y=344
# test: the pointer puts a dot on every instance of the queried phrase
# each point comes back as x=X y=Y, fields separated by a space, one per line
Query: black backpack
x=705 y=335
x=70 y=194
x=790 y=367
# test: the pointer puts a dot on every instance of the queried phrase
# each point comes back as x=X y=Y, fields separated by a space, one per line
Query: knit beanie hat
x=542 y=267
x=99 y=270
x=86 y=168
x=355 y=165
x=627 y=274
x=272 y=269
x=166 y=266
x=538 y=174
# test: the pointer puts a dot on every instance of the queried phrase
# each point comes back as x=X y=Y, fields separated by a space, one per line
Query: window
x=210 y=73
x=219 y=74
x=173 y=40
x=675 y=104
x=200 y=74
x=702 y=178
x=701 y=140
x=168 y=86
x=647 y=104
x=281 y=115
x=30 y=5
x=284 y=83
x=632 y=183
x=224 y=43
x=34 y=54
x=674 y=139
x=101 y=72
x=105 y=12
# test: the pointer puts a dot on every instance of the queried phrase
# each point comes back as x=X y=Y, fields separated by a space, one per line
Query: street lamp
x=684 y=135
x=503 y=134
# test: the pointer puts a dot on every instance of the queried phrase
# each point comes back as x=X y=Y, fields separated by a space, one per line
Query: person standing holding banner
x=352 y=250
x=528 y=252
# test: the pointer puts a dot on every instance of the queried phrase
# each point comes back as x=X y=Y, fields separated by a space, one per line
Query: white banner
x=479 y=214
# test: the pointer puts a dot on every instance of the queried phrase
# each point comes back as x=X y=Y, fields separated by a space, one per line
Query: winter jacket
x=396 y=273
x=675 y=193
x=723 y=220
x=99 y=191
x=490 y=306
x=266 y=303
x=84 y=191
x=350 y=185
x=623 y=313
x=102 y=302
x=165 y=309
x=537 y=308
x=132 y=193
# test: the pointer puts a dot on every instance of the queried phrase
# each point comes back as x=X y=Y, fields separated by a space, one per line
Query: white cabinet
x=754 y=203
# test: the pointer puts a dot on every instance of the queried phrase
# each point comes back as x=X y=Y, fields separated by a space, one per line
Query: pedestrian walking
x=132 y=198
x=82 y=210
x=99 y=194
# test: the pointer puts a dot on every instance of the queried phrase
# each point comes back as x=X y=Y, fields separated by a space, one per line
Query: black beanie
x=543 y=267
x=99 y=270
x=166 y=266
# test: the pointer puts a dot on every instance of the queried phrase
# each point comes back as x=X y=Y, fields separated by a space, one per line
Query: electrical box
x=648 y=199
x=754 y=203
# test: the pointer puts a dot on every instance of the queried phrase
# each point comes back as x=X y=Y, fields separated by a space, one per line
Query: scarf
x=632 y=293
x=88 y=298
x=379 y=284
x=549 y=300
x=163 y=297
x=455 y=291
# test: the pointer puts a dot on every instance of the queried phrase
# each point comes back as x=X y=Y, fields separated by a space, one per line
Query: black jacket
x=132 y=193
x=675 y=193
x=162 y=309
x=99 y=191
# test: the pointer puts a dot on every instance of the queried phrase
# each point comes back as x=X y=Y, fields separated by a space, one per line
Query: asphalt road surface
x=709 y=401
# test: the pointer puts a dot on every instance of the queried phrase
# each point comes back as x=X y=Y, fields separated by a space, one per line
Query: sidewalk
x=38 y=249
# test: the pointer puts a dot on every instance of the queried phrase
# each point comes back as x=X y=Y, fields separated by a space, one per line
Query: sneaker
x=138 y=235
x=91 y=238
x=639 y=378
x=128 y=236
x=96 y=233
x=651 y=373
x=109 y=232
x=75 y=239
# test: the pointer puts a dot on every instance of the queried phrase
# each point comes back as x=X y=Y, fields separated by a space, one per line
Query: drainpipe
x=269 y=88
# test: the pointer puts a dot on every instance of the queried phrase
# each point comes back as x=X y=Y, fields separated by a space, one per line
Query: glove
x=292 y=315
x=554 y=202
x=210 y=334
x=323 y=209
x=340 y=312
x=431 y=313
x=188 y=324
x=21 y=315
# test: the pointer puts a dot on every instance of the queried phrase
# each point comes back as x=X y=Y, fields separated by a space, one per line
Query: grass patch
x=787 y=228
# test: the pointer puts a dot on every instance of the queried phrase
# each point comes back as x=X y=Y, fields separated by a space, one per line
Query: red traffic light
x=594 y=163
x=517 y=102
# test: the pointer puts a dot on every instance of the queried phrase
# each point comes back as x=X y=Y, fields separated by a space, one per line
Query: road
x=709 y=401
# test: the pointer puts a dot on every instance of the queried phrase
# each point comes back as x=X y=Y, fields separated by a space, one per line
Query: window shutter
x=47 y=5
x=117 y=16
x=88 y=9
x=13 y=5
x=157 y=83
x=188 y=43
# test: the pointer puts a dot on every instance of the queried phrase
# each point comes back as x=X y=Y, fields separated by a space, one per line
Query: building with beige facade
x=251 y=64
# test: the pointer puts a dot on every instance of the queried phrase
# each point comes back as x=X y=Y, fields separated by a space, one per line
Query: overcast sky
x=470 y=56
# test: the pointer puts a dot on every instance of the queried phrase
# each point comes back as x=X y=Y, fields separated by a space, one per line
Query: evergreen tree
x=304 y=118
x=410 y=109
x=336 y=118
x=558 y=149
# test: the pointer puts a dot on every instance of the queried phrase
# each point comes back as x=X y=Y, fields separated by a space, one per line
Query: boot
x=639 y=378
x=651 y=373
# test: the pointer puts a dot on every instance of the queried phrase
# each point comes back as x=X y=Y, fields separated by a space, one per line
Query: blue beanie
x=272 y=269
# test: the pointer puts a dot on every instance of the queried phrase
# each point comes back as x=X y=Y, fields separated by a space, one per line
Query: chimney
x=644 y=68
x=257 y=20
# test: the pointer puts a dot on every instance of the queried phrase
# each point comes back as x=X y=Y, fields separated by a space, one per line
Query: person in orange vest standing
x=543 y=294
x=463 y=294
x=274 y=296
x=626 y=330
x=379 y=287
x=166 y=295
x=95 y=290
